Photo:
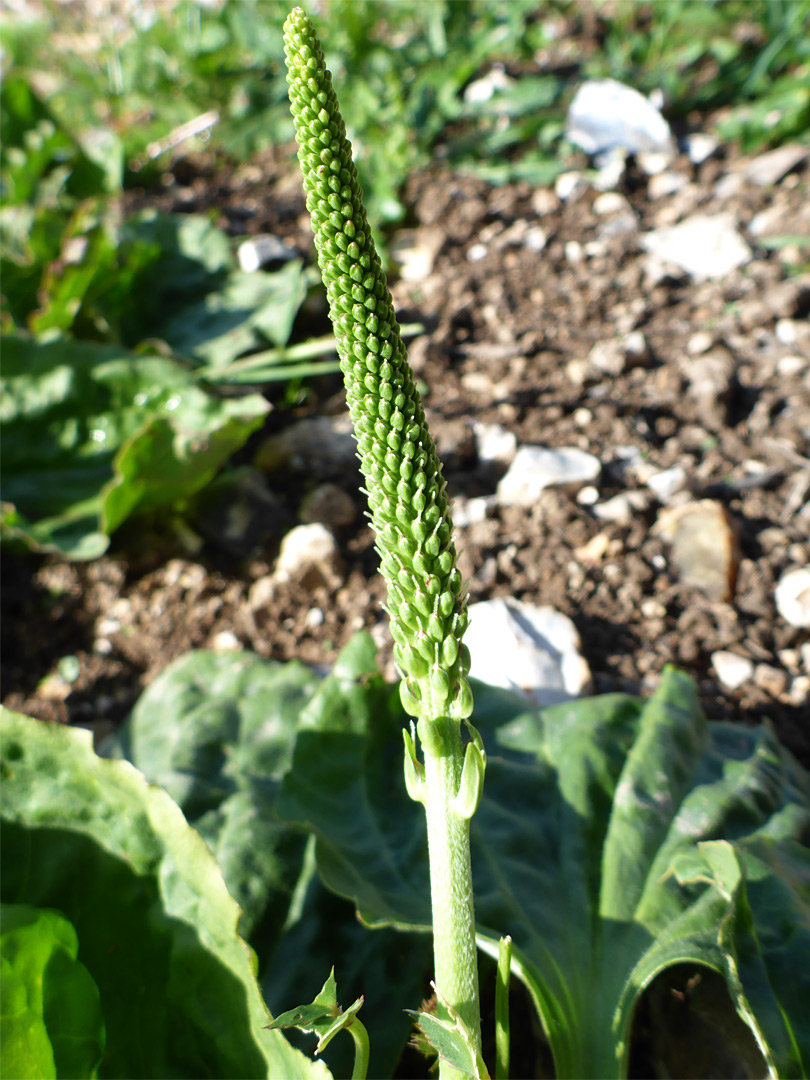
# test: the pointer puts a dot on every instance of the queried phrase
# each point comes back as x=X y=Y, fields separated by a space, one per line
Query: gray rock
x=257 y=252
x=537 y=467
x=320 y=446
x=617 y=355
x=704 y=245
x=667 y=483
x=768 y=169
x=309 y=556
x=535 y=650
x=704 y=546
x=607 y=115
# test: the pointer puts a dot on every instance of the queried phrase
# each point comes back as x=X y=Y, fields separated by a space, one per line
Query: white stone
x=493 y=442
x=574 y=252
x=793 y=597
x=570 y=185
x=308 y=553
x=700 y=147
x=768 y=169
x=534 y=650
x=667 y=483
x=588 y=496
x=477 y=252
x=415 y=250
x=611 y=167
x=791 y=365
x=732 y=670
x=226 y=641
x=544 y=201
x=488 y=85
x=466 y=512
x=665 y=183
x=621 y=508
x=255 y=253
x=705 y=246
x=700 y=343
x=535 y=239
x=314 y=618
x=606 y=114
x=611 y=202
x=537 y=467
x=799 y=693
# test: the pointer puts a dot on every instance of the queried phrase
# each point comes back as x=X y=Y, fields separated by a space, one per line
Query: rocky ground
x=657 y=333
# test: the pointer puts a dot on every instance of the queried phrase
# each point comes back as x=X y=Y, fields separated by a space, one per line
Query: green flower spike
x=406 y=493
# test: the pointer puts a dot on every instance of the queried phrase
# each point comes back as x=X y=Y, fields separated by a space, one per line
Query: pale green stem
x=361 y=1049
x=448 y=834
x=502 y=1009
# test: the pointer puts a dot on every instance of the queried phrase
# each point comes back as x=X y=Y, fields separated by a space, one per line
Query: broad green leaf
x=157 y=927
x=585 y=849
x=91 y=433
x=50 y=1021
x=452 y=1041
x=218 y=732
x=246 y=311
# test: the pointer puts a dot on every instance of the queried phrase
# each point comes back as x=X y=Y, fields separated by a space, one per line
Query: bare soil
x=501 y=332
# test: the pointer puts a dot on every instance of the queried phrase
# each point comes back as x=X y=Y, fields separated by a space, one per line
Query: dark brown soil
x=501 y=333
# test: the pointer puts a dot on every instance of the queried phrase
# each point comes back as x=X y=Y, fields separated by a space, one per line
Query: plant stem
x=502 y=1009
x=361 y=1049
x=448 y=833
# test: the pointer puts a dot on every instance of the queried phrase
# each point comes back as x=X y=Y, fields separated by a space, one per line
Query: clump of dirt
x=518 y=288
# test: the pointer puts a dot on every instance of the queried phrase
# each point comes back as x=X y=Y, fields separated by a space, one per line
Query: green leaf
x=585 y=850
x=218 y=732
x=157 y=927
x=92 y=434
x=246 y=311
x=51 y=1023
x=452 y=1041
x=323 y=1017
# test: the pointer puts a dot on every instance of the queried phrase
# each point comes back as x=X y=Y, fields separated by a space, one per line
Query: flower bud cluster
x=405 y=487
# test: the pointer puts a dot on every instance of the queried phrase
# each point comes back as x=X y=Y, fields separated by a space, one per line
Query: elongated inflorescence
x=406 y=491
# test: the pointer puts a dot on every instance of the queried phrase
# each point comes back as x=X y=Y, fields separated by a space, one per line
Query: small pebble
x=653 y=609
x=667 y=483
x=477 y=252
x=493 y=442
x=309 y=554
x=570 y=186
x=622 y=508
x=793 y=597
x=772 y=680
x=592 y=553
x=732 y=670
x=314 y=618
x=588 y=496
x=226 y=641
x=704 y=546
x=799 y=693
